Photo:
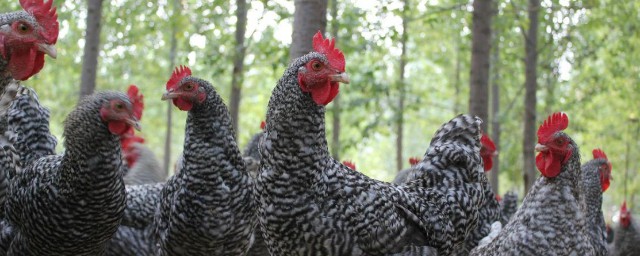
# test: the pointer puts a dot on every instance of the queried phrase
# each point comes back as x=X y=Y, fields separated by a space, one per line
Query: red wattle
x=320 y=94
x=22 y=63
x=605 y=185
x=39 y=63
x=548 y=165
x=488 y=162
x=325 y=94
x=335 y=88
x=182 y=104
x=118 y=127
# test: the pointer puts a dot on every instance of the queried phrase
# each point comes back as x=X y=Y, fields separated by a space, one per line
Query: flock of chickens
x=107 y=195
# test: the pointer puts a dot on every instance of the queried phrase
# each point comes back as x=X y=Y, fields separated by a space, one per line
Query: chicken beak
x=134 y=123
x=48 y=49
x=541 y=148
x=170 y=94
x=342 y=78
x=495 y=153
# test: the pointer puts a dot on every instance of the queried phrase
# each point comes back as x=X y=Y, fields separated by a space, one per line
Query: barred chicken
x=71 y=204
x=596 y=175
x=310 y=204
x=626 y=241
x=550 y=219
x=208 y=207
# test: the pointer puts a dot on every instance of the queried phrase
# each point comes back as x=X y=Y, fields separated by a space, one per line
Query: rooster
x=25 y=37
x=310 y=204
x=550 y=219
x=596 y=175
x=626 y=241
x=208 y=207
x=71 y=204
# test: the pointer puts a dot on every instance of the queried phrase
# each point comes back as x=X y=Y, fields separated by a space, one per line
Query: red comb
x=126 y=141
x=327 y=47
x=623 y=209
x=137 y=100
x=487 y=142
x=413 y=161
x=498 y=198
x=46 y=15
x=349 y=164
x=179 y=73
x=598 y=153
x=555 y=122
x=263 y=124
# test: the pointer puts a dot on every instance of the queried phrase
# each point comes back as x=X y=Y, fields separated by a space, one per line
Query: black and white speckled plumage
x=310 y=204
x=28 y=127
x=128 y=241
x=454 y=143
x=142 y=203
x=626 y=241
x=135 y=234
x=208 y=207
x=9 y=163
x=591 y=192
x=146 y=169
x=252 y=149
x=550 y=219
x=508 y=206
x=71 y=204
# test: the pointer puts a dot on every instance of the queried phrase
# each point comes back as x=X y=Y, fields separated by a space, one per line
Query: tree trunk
x=238 y=64
x=91 y=48
x=531 y=61
x=309 y=17
x=166 y=161
x=495 y=112
x=335 y=135
x=401 y=85
x=480 y=50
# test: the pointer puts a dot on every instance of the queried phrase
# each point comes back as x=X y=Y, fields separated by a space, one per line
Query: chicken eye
x=559 y=141
x=316 y=65
x=188 y=87
x=23 y=28
x=119 y=106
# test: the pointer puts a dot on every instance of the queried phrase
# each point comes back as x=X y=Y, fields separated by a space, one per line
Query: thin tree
x=480 y=64
x=309 y=17
x=91 y=48
x=335 y=136
x=166 y=161
x=531 y=84
x=401 y=84
x=238 y=63
x=495 y=110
